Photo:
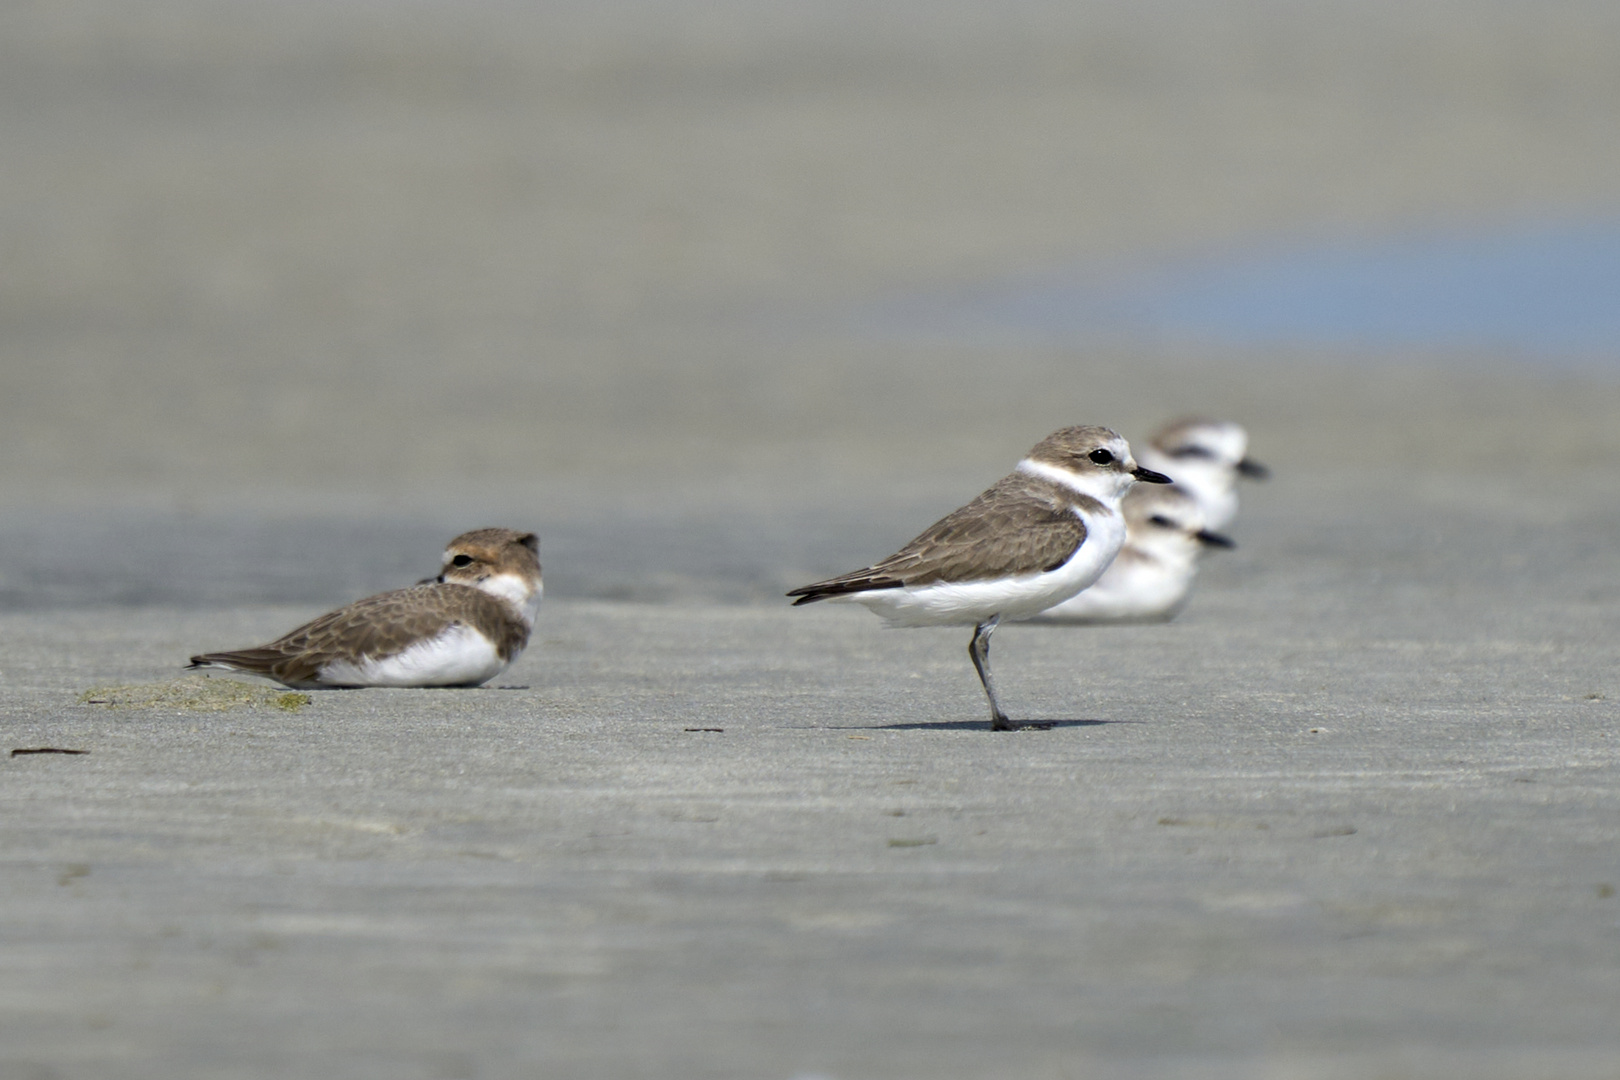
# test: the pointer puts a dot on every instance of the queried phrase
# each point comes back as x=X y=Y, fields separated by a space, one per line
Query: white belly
x=460 y=656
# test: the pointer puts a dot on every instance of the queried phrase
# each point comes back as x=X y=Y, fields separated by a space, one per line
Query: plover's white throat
x=1206 y=457
x=1151 y=576
x=1035 y=538
x=461 y=628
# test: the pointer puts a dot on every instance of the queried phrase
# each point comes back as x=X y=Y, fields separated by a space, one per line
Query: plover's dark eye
x=461 y=560
x=1192 y=451
x=1101 y=456
x=1162 y=522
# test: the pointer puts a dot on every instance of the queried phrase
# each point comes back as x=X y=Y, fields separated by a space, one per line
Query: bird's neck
x=1104 y=488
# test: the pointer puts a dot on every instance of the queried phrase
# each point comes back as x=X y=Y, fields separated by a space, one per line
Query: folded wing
x=1023 y=525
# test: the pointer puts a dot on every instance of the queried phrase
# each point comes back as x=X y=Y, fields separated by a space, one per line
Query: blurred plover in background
x=1151 y=577
x=1034 y=539
x=1206 y=457
x=461 y=628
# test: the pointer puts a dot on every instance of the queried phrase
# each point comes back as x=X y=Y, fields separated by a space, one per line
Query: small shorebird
x=461 y=628
x=1150 y=578
x=1206 y=457
x=1035 y=538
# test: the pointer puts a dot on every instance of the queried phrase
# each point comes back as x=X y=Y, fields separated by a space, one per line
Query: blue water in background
x=1537 y=292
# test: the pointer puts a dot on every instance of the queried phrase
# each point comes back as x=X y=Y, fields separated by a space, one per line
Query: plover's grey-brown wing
x=1022 y=525
x=376 y=627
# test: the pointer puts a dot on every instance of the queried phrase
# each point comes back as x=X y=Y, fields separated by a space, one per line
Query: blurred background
x=723 y=296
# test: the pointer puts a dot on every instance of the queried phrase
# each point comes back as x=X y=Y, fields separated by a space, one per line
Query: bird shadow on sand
x=978 y=725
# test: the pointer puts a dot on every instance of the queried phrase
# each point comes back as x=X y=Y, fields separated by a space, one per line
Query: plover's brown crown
x=1071 y=448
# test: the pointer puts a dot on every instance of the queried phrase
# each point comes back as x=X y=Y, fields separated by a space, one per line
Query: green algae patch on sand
x=195 y=694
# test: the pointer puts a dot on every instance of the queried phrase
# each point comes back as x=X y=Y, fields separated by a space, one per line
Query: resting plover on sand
x=1150 y=578
x=1206 y=457
x=1034 y=539
x=461 y=628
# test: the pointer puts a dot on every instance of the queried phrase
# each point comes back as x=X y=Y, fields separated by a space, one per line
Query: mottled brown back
x=1022 y=525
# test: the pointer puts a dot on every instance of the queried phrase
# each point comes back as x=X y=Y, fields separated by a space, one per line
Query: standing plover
x=1206 y=457
x=461 y=628
x=1035 y=538
x=1149 y=579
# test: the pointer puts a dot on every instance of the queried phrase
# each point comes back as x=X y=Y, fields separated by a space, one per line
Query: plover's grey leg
x=979 y=650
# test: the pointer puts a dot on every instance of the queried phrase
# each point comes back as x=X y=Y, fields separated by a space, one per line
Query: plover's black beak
x=1253 y=469
x=1148 y=476
x=1214 y=539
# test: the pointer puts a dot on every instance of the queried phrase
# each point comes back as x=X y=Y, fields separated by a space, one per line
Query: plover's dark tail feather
x=256 y=661
x=860 y=581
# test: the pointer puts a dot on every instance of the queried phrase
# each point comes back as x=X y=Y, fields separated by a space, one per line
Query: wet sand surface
x=298 y=294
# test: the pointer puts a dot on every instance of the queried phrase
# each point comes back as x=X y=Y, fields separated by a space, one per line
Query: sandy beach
x=295 y=293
